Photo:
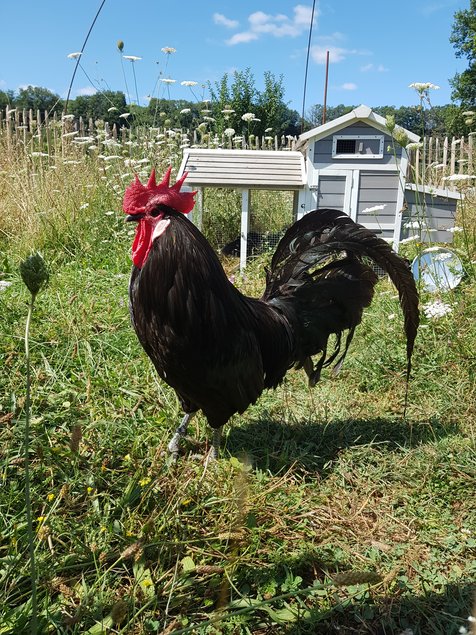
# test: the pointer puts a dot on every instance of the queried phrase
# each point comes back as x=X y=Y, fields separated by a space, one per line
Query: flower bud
x=34 y=273
x=120 y=45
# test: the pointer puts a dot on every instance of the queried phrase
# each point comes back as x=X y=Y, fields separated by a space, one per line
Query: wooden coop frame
x=244 y=170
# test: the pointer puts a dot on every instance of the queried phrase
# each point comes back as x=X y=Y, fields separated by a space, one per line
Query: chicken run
x=219 y=349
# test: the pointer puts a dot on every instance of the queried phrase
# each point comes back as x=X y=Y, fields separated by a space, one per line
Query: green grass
x=311 y=484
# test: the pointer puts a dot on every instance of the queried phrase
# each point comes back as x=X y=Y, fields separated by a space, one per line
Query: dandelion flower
x=188 y=83
x=132 y=58
x=74 y=56
x=168 y=50
x=371 y=210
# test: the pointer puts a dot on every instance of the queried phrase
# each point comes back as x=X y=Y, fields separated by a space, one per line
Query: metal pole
x=325 y=89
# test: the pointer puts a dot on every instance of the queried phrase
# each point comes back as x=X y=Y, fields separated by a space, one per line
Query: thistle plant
x=34 y=273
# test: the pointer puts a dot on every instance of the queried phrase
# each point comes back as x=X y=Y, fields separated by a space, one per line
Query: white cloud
x=278 y=25
x=87 y=90
x=379 y=68
x=239 y=38
x=336 y=53
x=219 y=18
x=349 y=86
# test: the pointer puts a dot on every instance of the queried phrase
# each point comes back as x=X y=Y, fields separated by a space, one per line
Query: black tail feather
x=324 y=246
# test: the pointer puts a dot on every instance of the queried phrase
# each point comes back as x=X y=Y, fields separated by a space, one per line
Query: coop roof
x=361 y=113
x=247 y=169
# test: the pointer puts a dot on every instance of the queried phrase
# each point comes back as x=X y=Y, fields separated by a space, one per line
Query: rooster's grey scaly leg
x=216 y=442
x=180 y=432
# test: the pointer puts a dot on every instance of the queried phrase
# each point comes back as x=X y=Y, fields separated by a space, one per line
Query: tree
x=107 y=105
x=7 y=98
x=463 y=38
x=38 y=98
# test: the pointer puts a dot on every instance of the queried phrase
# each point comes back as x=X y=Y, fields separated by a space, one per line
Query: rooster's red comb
x=137 y=195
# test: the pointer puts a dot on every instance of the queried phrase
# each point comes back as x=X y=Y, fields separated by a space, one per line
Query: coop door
x=334 y=189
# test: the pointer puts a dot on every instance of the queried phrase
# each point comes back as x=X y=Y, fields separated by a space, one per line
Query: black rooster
x=219 y=349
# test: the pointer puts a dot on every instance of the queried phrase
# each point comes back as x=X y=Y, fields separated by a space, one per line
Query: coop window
x=357 y=146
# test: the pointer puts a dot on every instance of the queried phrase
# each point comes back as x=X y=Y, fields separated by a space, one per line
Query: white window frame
x=356 y=137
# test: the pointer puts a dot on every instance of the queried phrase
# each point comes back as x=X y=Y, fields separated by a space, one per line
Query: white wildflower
x=74 y=56
x=209 y=119
x=40 y=154
x=109 y=213
x=132 y=58
x=168 y=50
x=111 y=109
x=229 y=132
x=168 y=80
x=84 y=206
x=65 y=117
x=444 y=256
x=371 y=210
x=4 y=284
x=66 y=135
x=421 y=87
x=185 y=111
x=228 y=111
x=436 y=309
x=413 y=146
x=468 y=113
x=124 y=115
x=410 y=239
x=188 y=83
x=459 y=177
x=414 y=224
x=454 y=230
x=248 y=116
x=391 y=316
x=268 y=130
x=110 y=157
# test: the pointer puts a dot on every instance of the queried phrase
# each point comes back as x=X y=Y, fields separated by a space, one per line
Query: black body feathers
x=218 y=348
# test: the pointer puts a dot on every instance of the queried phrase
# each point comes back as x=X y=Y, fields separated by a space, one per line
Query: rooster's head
x=147 y=205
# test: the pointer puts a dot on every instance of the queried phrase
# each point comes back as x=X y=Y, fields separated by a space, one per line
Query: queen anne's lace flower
x=436 y=309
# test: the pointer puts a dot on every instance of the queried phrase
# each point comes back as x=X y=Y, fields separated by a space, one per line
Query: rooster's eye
x=155 y=212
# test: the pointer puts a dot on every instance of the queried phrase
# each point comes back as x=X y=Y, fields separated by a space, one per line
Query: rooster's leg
x=216 y=441
x=180 y=432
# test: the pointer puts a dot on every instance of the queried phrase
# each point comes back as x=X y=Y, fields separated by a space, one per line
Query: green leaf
x=188 y=564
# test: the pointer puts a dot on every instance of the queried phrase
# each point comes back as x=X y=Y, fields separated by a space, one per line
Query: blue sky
x=376 y=48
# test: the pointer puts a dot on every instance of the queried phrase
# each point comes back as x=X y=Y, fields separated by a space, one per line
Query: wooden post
x=245 y=208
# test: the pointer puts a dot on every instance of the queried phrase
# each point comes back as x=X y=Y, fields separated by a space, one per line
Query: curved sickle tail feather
x=321 y=234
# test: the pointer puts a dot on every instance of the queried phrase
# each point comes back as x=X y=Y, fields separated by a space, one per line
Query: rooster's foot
x=174 y=444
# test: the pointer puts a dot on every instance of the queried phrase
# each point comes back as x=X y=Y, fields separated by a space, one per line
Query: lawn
x=328 y=510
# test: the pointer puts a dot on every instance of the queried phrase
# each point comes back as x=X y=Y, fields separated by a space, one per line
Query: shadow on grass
x=313 y=447
x=442 y=613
